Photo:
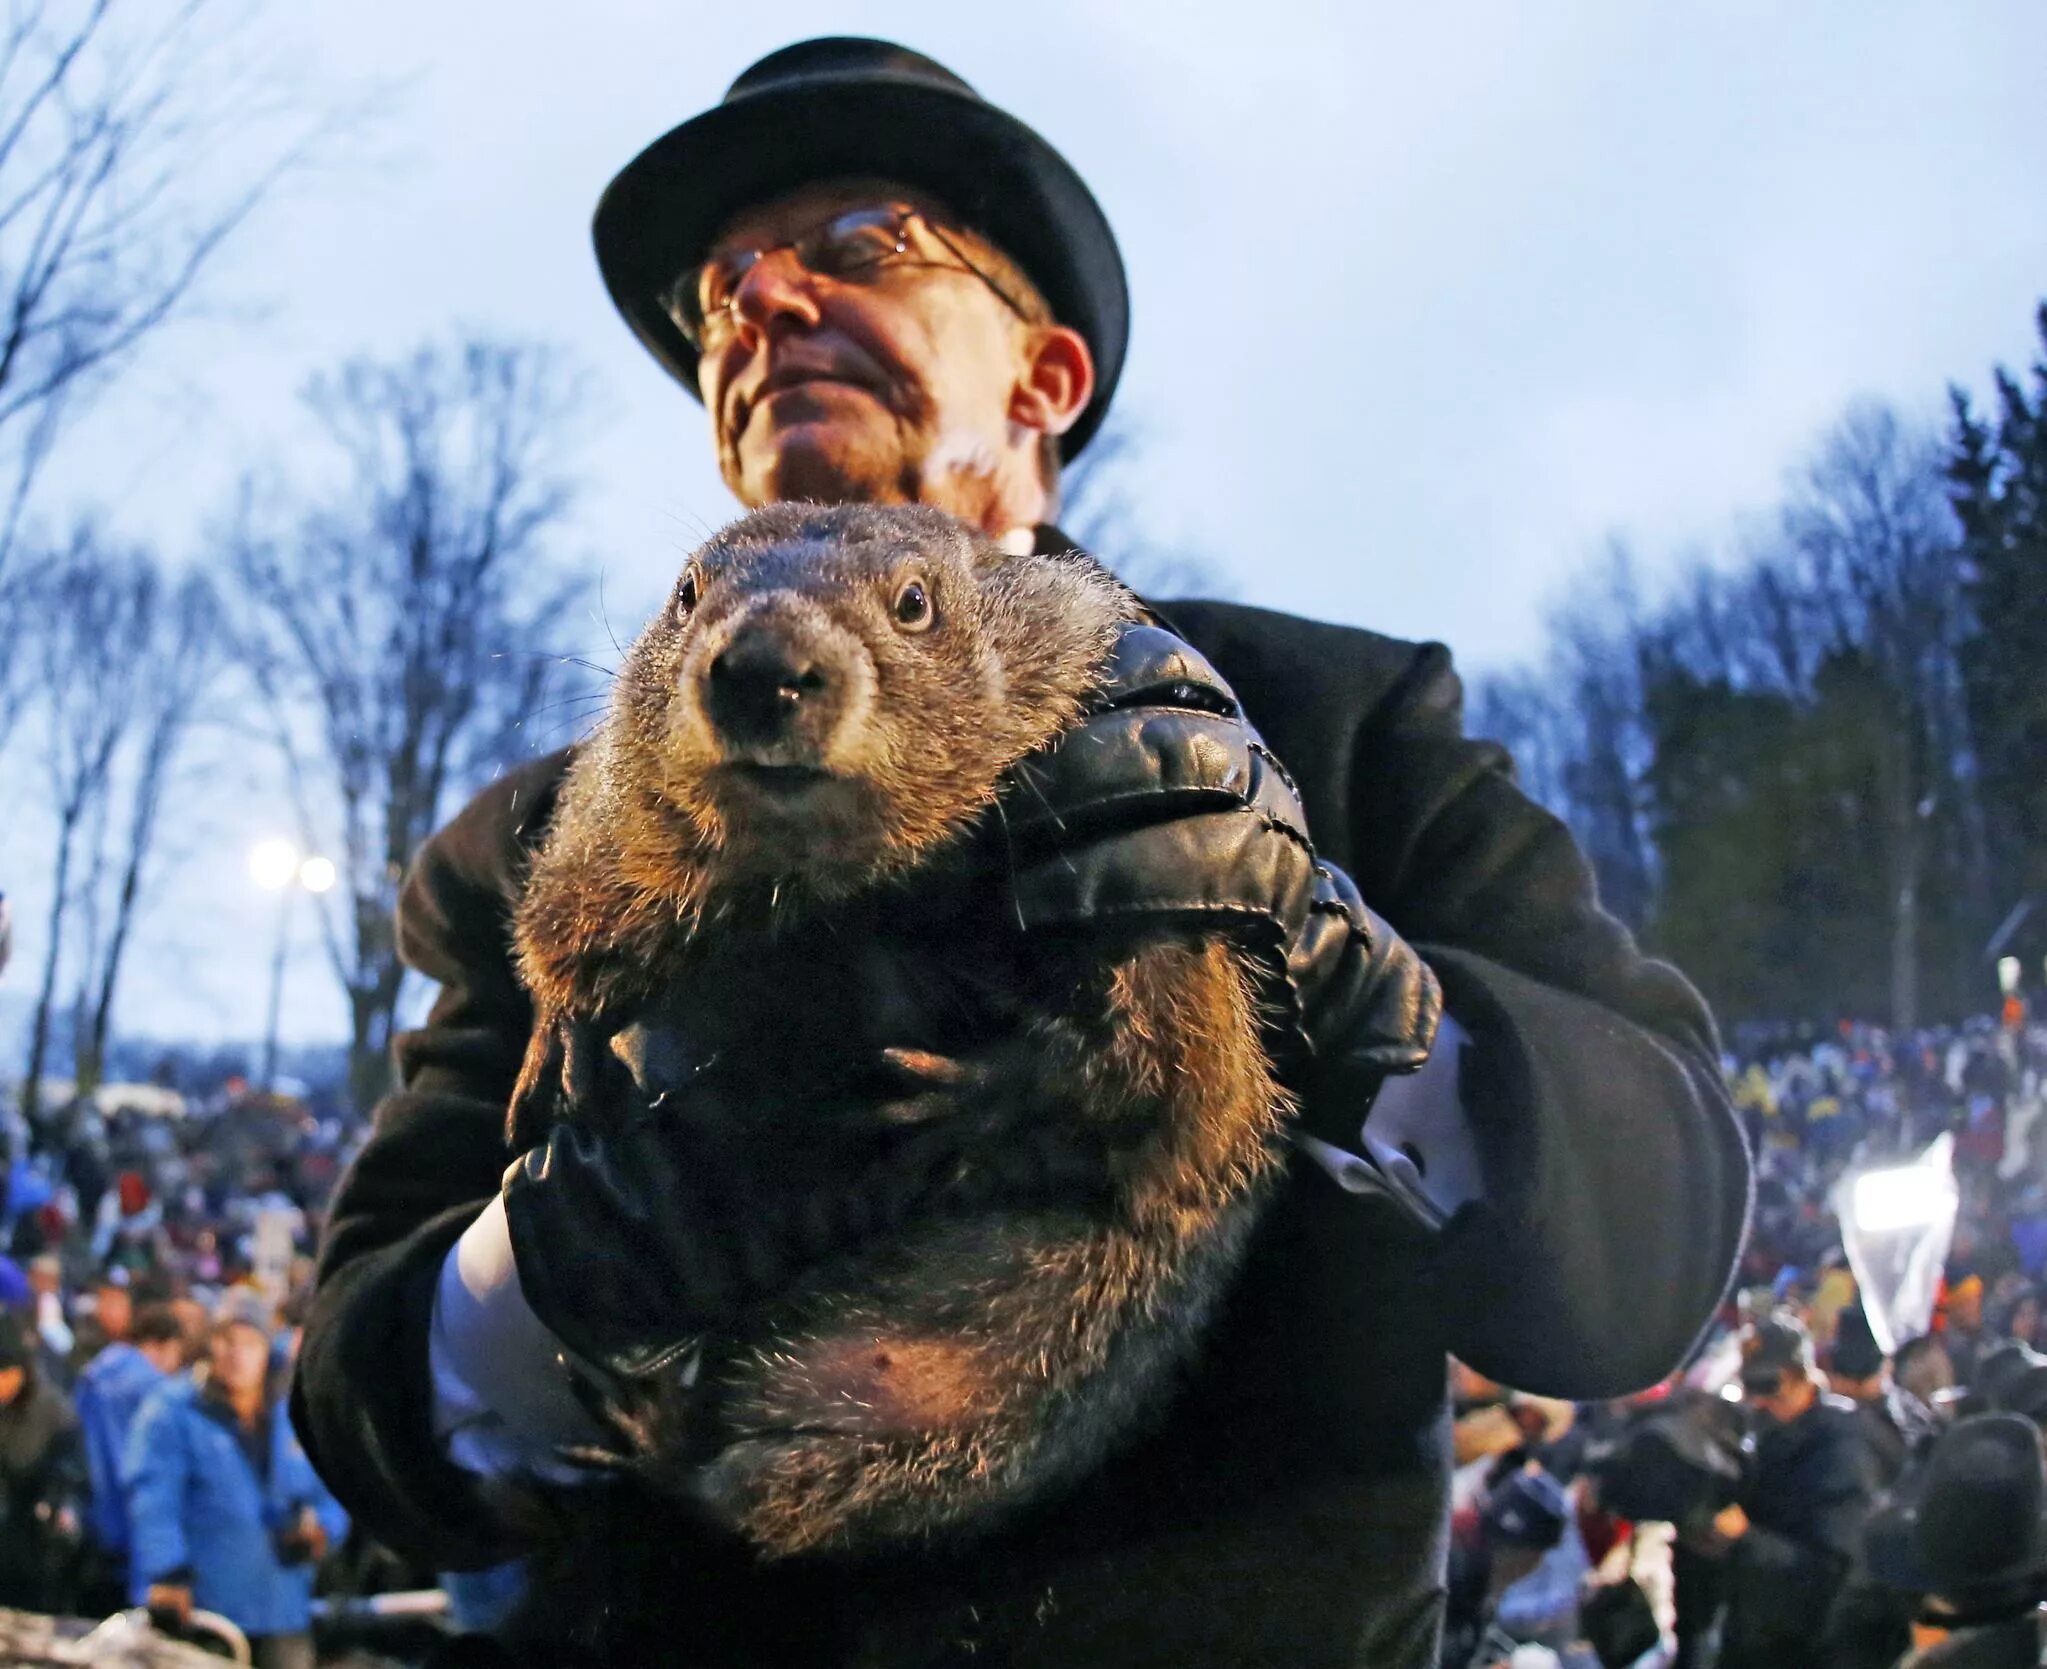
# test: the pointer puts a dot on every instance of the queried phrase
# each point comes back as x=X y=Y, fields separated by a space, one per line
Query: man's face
x=115 y=1311
x=11 y=1382
x=1791 y=1396
x=165 y=1355
x=905 y=384
x=240 y=1358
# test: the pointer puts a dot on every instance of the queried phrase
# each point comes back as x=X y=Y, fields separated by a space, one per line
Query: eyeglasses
x=851 y=246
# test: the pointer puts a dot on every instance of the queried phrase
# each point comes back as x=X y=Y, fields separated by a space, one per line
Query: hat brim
x=664 y=208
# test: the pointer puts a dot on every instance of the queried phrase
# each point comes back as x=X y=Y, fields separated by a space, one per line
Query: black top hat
x=1976 y=1519
x=842 y=106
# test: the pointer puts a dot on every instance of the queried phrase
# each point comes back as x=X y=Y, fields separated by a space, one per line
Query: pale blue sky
x=1427 y=301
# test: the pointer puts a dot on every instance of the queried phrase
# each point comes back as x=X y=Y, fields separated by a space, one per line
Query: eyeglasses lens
x=846 y=244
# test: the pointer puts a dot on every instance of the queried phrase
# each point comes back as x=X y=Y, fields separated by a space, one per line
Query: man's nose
x=776 y=287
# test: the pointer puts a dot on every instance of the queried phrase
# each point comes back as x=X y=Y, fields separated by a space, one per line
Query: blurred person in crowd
x=42 y=1480
x=126 y=1221
x=1788 y=1540
x=1521 y=1518
x=111 y=1390
x=2011 y=1378
x=225 y=1512
x=1870 y=1625
x=15 y=1292
x=1974 y=1540
x=1924 y=1368
x=113 y=1307
x=1895 y=1423
x=1962 y=1331
x=2020 y=1317
x=197 y=1321
x=53 y=1326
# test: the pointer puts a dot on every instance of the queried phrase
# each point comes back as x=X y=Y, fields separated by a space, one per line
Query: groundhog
x=770 y=895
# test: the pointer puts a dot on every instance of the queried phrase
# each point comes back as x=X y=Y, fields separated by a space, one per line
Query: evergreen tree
x=1997 y=470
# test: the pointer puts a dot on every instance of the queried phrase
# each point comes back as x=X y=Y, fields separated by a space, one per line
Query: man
x=1963 y=1334
x=113 y=1309
x=42 y=1479
x=1871 y=1623
x=226 y=1513
x=1790 y=1537
x=1895 y=1423
x=53 y=1327
x=111 y=1390
x=1976 y=1545
x=883 y=289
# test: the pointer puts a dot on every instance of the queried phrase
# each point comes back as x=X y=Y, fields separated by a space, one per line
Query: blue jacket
x=196 y=1505
x=108 y=1397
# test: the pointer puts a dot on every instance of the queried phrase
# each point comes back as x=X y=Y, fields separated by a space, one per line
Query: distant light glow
x=273 y=864
x=317 y=874
x=1902 y=1197
x=2007 y=974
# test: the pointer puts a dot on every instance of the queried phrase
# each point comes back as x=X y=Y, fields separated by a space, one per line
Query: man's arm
x=154 y=1466
x=361 y=1399
x=1614 y=1176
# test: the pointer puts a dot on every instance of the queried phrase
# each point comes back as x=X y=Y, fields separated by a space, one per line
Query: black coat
x=1292 y=1507
x=42 y=1471
x=1813 y=1483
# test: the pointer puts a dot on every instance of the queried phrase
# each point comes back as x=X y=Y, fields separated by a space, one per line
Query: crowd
x=1834 y=1481
x=153 y=1256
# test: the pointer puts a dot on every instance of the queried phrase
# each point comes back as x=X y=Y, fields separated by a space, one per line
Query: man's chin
x=819 y=463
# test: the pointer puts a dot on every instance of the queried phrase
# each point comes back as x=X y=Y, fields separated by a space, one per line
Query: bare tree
x=401 y=616
x=1095 y=510
x=1870 y=525
x=135 y=138
x=1596 y=668
x=1521 y=711
x=178 y=657
x=87 y=648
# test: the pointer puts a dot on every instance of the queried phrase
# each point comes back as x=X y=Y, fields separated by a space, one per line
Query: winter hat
x=1775 y=1346
x=1997 y=1376
x=1856 y=1352
x=1529 y=1510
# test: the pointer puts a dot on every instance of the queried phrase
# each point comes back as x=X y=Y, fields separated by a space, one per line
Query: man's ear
x=1057 y=381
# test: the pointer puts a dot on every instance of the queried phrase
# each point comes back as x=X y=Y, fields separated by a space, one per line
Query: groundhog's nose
x=762 y=687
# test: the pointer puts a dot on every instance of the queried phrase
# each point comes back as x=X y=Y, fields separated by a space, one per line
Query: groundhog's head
x=833 y=693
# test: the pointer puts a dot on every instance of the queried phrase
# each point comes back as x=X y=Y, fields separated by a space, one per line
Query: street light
x=276 y=865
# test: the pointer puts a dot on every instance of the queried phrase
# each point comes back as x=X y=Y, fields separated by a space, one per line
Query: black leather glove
x=1165 y=807
x=636 y=1241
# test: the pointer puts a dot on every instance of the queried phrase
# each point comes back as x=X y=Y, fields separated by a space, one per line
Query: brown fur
x=966 y=1366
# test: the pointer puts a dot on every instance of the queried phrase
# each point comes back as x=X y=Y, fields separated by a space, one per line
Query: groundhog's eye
x=912 y=608
x=686 y=595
